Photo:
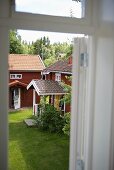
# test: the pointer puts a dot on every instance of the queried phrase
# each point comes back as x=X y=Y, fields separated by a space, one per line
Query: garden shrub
x=66 y=128
x=51 y=119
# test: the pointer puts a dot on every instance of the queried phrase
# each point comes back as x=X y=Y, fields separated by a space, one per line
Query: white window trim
x=47 y=20
x=58 y=77
x=15 y=76
x=28 y=22
x=53 y=13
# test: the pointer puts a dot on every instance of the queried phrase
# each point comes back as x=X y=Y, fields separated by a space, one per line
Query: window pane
x=66 y=8
x=15 y=76
x=12 y=76
x=19 y=76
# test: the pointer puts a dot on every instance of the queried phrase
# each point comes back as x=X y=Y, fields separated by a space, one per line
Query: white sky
x=50 y=7
x=30 y=36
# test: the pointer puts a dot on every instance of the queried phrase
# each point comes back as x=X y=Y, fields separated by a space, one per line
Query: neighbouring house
x=59 y=71
x=49 y=88
x=51 y=85
x=22 y=69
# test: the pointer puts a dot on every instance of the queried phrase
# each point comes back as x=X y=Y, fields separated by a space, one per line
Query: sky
x=30 y=36
x=49 y=7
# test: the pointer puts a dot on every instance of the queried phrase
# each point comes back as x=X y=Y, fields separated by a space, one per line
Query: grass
x=33 y=149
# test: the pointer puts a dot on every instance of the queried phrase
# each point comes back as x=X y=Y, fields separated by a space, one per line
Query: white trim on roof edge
x=32 y=83
x=41 y=61
x=47 y=94
x=57 y=72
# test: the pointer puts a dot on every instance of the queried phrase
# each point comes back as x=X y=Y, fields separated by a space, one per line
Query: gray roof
x=46 y=87
x=60 y=66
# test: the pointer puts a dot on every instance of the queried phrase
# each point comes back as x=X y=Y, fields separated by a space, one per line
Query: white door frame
x=17 y=98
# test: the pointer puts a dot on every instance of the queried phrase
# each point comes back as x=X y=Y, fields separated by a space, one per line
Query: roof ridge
x=26 y=54
x=25 y=62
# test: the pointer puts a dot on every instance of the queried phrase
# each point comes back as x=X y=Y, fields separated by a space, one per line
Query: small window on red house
x=57 y=77
x=15 y=76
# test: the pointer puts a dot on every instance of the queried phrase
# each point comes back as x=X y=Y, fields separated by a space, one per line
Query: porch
x=15 y=94
x=51 y=90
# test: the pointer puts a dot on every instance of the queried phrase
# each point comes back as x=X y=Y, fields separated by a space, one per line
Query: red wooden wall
x=26 y=95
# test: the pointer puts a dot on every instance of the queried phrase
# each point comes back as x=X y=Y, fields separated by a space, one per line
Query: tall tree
x=16 y=46
x=42 y=47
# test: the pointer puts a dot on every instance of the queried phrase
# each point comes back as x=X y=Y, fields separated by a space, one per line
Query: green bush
x=66 y=128
x=51 y=119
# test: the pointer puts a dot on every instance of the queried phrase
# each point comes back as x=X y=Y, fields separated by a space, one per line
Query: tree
x=41 y=45
x=16 y=46
x=49 y=53
x=68 y=89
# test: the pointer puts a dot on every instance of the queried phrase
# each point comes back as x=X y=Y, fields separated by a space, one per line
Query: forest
x=49 y=53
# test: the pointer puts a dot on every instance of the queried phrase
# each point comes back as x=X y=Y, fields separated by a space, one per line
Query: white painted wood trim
x=19 y=100
x=90 y=99
x=34 y=100
x=4 y=48
x=111 y=161
x=74 y=106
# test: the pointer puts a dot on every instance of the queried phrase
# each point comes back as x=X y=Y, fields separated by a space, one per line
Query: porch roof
x=46 y=87
x=17 y=83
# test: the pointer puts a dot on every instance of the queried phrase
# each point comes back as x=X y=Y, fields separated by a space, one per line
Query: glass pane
x=66 y=8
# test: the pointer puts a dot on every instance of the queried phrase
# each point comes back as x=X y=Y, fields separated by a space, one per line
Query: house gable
x=61 y=66
x=59 y=71
x=22 y=69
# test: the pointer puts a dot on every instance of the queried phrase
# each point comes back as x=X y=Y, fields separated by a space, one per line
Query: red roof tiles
x=23 y=62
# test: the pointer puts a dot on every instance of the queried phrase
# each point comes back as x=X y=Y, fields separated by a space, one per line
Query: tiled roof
x=46 y=87
x=17 y=83
x=23 y=62
x=59 y=66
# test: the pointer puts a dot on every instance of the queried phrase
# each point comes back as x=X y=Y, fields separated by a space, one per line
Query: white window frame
x=9 y=19
x=58 y=77
x=18 y=20
x=69 y=16
x=15 y=76
x=47 y=20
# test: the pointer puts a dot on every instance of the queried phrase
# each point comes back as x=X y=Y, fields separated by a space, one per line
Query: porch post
x=34 y=100
x=19 y=100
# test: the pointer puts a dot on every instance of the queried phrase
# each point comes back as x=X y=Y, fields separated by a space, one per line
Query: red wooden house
x=50 y=86
x=22 y=69
x=59 y=71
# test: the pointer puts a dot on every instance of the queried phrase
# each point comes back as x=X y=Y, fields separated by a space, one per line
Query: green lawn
x=33 y=149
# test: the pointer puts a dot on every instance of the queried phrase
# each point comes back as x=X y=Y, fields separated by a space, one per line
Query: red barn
x=22 y=69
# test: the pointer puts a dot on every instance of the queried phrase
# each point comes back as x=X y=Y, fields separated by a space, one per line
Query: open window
x=16 y=18
x=63 y=8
